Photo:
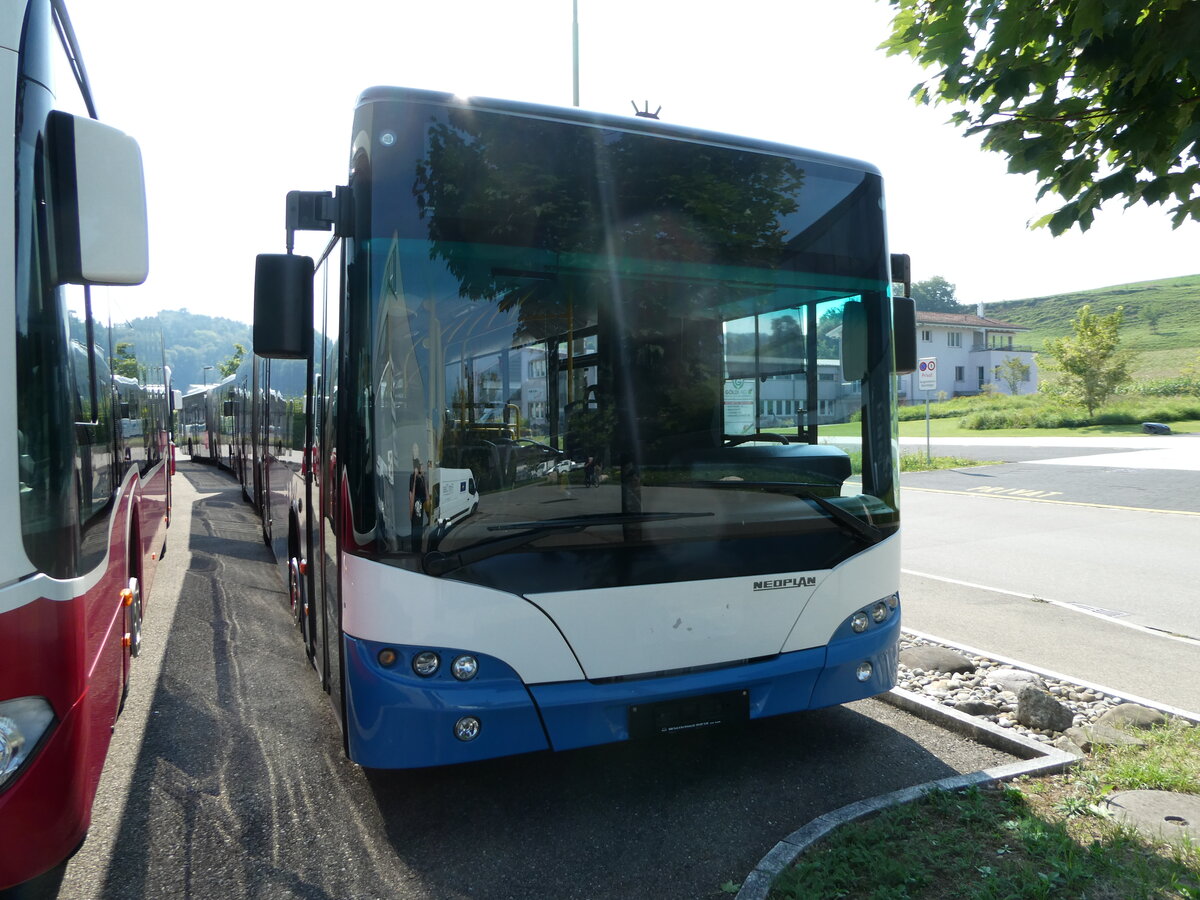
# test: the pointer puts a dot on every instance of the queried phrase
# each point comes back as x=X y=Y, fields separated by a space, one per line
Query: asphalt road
x=1079 y=559
x=226 y=777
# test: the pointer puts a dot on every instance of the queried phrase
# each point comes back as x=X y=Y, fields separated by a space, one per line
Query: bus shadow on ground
x=241 y=787
x=670 y=817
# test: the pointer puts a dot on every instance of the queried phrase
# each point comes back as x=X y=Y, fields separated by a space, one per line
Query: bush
x=962 y=406
x=1051 y=414
x=1180 y=386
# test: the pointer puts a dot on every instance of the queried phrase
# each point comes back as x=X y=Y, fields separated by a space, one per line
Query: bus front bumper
x=398 y=719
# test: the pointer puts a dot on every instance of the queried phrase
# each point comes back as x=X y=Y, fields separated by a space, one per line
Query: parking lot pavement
x=232 y=782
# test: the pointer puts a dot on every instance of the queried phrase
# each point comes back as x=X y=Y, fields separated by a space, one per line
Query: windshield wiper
x=849 y=522
x=435 y=562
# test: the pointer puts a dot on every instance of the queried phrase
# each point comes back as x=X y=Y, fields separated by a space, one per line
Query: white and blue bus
x=655 y=368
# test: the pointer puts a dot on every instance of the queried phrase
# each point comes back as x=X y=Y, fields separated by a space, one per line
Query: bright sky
x=236 y=102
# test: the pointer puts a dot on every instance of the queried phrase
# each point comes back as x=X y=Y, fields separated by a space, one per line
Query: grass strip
x=1044 y=837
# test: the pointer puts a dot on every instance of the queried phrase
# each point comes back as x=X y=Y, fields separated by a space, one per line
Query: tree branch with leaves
x=1099 y=99
x=1013 y=373
x=230 y=365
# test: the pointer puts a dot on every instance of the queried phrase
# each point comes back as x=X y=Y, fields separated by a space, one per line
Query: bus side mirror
x=98 y=198
x=283 y=306
x=904 y=334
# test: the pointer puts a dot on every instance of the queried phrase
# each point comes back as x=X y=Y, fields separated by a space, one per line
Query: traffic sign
x=927 y=374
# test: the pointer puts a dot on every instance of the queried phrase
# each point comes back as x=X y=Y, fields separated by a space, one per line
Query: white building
x=969 y=349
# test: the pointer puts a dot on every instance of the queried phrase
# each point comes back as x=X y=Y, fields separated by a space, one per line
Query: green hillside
x=1162 y=352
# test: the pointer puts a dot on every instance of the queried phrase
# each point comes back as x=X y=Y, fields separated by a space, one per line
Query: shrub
x=1052 y=414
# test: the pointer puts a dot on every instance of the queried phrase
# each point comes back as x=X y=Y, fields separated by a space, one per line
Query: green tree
x=1089 y=365
x=230 y=365
x=1100 y=99
x=1013 y=373
x=936 y=294
x=1151 y=312
x=124 y=362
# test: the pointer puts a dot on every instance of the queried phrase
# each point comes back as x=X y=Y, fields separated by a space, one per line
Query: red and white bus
x=84 y=444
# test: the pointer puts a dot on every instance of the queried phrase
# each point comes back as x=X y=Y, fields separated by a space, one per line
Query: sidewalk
x=1133 y=661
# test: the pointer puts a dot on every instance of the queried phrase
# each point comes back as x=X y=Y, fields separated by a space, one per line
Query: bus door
x=327 y=636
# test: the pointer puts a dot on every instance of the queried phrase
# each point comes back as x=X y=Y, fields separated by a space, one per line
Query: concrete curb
x=1193 y=717
x=1038 y=759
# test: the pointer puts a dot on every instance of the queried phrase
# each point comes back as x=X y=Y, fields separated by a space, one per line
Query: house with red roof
x=969 y=349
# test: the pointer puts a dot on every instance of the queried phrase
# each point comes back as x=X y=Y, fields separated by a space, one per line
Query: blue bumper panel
x=878 y=645
x=579 y=714
x=396 y=719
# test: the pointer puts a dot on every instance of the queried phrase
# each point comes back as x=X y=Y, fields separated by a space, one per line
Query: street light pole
x=575 y=48
x=206 y=368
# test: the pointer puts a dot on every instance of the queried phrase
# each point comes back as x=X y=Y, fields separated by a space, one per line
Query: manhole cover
x=1163 y=815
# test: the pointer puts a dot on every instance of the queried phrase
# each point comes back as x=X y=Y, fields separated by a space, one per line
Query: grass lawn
x=943 y=428
x=1042 y=837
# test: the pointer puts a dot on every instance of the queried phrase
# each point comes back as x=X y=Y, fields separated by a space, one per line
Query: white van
x=454 y=497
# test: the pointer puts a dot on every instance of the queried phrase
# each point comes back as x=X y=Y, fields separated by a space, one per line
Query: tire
x=296 y=598
x=134 y=617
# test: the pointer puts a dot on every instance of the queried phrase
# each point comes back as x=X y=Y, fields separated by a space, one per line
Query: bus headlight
x=864 y=670
x=879 y=611
x=859 y=622
x=467 y=728
x=22 y=724
x=426 y=663
x=465 y=668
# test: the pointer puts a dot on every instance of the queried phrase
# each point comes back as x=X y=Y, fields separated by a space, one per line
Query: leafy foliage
x=1090 y=365
x=936 y=294
x=1099 y=99
x=1013 y=372
x=230 y=365
x=124 y=360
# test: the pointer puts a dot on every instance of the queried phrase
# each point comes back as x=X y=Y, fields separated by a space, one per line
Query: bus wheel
x=132 y=598
x=295 y=592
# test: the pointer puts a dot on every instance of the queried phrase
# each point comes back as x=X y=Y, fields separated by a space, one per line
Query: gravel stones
x=977 y=708
x=1010 y=679
x=1132 y=715
x=1037 y=709
x=933 y=658
x=1041 y=708
x=1090 y=736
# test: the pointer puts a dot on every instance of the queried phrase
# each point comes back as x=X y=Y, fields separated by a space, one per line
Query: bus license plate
x=689 y=713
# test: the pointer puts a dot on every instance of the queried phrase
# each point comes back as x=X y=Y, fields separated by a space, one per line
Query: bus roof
x=635 y=124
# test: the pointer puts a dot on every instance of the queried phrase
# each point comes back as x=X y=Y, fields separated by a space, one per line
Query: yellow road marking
x=995 y=494
x=1014 y=492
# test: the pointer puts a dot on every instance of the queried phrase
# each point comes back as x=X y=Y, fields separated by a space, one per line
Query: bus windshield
x=610 y=349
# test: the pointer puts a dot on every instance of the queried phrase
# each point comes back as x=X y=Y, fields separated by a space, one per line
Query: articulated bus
x=590 y=430
x=84 y=444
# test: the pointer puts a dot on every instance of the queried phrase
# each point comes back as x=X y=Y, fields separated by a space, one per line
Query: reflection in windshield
x=568 y=324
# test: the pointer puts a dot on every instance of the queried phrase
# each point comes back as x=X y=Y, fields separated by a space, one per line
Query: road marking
x=1022 y=495
x=1107 y=615
x=1179 y=458
x=1013 y=492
